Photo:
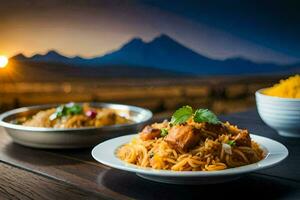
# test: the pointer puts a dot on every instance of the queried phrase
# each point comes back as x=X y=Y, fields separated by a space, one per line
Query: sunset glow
x=3 y=61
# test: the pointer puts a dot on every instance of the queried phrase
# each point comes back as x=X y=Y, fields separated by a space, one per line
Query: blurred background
x=155 y=54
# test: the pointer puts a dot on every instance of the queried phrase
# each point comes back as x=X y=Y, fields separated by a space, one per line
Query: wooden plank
x=74 y=171
x=19 y=184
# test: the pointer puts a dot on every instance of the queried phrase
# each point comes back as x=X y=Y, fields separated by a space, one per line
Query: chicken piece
x=219 y=129
x=243 y=138
x=105 y=118
x=149 y=133
x=240 y=136
x=161 y=125
x=183 y=137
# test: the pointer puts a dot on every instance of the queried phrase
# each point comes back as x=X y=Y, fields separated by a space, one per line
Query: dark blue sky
x=275 y=24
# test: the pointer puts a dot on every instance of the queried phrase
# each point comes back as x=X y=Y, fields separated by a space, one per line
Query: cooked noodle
x=208 y=155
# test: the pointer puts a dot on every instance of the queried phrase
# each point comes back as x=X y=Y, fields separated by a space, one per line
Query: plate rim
x=122 y=165
x=148 y=116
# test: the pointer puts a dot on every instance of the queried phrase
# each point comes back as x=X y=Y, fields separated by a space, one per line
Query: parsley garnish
x=231 y=143
x=201 y=115
x=68 y=109
x=164 y=132
x=182 y=115
x=205 y=115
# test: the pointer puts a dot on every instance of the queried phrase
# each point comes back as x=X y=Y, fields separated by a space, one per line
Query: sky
x=263 y=31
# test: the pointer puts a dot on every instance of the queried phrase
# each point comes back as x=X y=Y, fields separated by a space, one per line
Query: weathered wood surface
x=16 y=183
x=73 y=169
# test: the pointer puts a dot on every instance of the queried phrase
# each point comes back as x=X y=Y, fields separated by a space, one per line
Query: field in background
x=161 y=95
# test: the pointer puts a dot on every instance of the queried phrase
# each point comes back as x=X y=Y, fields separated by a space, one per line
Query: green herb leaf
x=64 y=110
x=205 y=115
x=74 y=110
x=60 y=111
x=164 y=132
x=231 y=143
x=182 y=115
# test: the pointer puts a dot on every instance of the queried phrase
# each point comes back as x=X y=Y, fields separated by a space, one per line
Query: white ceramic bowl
x=281 y=114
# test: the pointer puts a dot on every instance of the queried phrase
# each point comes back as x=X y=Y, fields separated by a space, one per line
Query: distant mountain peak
x=19 y=56
x=165 y=41
x=133 y=43
x=137 y=41
x=77 y=57
x=52 y=53
x=161 y=41
x=50 y=56
x=163 y=37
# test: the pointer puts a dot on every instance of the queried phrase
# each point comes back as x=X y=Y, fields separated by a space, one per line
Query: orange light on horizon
x=3 y=61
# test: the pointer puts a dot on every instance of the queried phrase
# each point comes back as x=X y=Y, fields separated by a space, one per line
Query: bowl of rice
x=279 y=106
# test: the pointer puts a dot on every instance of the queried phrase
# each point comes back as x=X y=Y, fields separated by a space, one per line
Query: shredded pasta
x=208 y=155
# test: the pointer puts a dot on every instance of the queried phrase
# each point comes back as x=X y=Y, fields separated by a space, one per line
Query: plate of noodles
x=72 y=125
x=194 y=147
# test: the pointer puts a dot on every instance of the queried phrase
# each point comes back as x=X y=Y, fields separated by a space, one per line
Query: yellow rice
x=289 y=88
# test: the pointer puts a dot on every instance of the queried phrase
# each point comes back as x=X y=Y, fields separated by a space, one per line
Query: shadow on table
x=250 y=186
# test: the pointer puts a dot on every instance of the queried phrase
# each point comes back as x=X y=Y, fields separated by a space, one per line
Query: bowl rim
x=147 y=116
x=259 y=93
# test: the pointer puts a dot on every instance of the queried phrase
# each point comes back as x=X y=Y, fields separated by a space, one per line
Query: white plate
x=105 y=153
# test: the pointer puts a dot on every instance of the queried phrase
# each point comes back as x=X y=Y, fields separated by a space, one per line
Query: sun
x=3 y=61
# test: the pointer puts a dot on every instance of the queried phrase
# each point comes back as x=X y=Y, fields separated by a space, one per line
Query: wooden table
x=72 y=174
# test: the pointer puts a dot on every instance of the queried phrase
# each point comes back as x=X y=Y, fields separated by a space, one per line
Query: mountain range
x=162 y=54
